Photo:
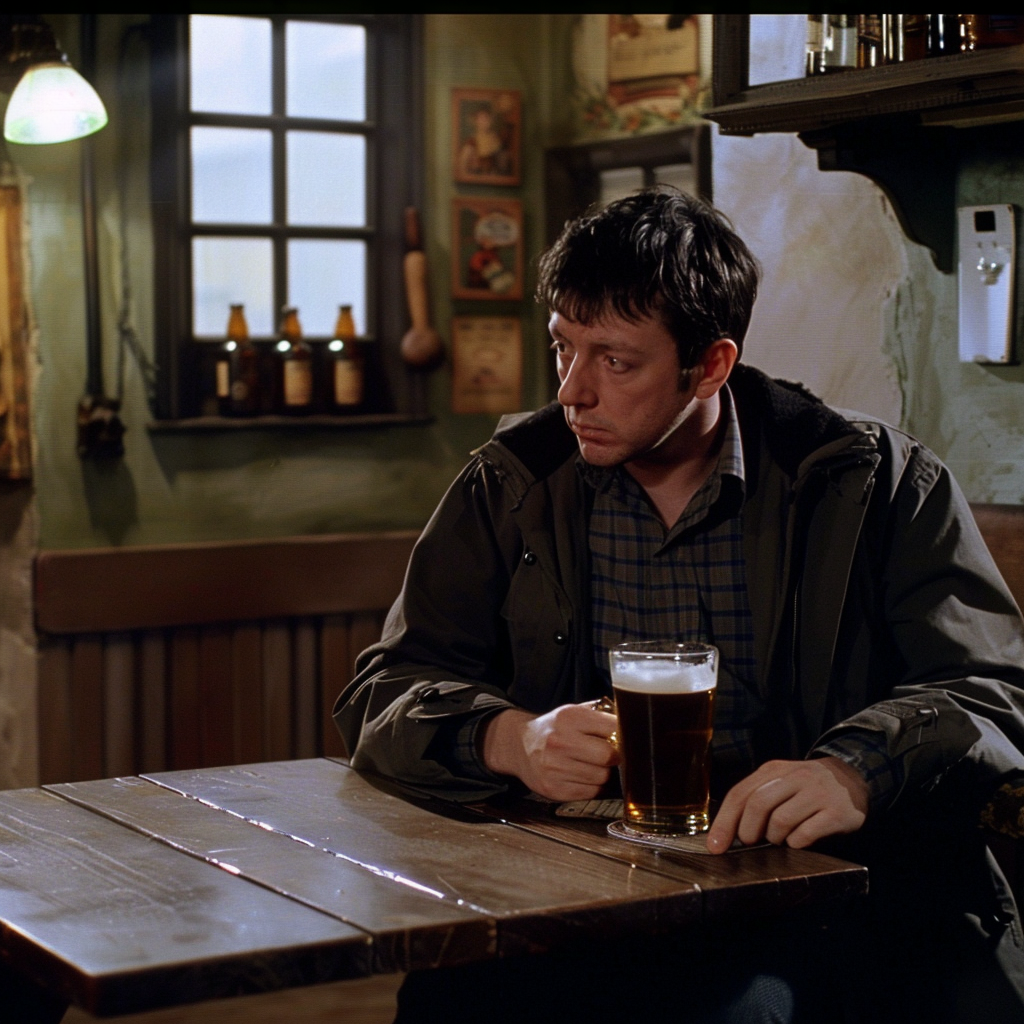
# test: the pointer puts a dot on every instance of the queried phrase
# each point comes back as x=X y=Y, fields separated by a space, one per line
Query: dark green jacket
x=875 y=601
x=876 y=605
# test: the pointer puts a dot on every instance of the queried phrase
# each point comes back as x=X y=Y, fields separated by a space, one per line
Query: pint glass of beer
x=664 y=700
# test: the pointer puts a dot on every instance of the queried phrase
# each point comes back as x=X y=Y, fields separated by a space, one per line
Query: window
x=599 y=172
x=285 y=153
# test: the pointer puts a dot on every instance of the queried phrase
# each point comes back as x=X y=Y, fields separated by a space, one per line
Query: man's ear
x=715 y=365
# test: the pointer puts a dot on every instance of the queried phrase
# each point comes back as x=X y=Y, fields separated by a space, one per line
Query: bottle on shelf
x=914 y=32
x=831 y=43
x=869 y=40
x=237 y=369
x=943 y=34
x=816 y=44
x=345 y=365
x=294 y=363
x=987 y=31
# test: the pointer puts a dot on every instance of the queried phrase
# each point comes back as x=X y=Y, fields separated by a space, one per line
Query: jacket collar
x=796 y=427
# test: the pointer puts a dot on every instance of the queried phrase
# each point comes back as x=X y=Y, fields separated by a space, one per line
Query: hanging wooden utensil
x=421 y=344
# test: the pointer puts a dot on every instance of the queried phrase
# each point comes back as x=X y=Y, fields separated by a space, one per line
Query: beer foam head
x=661 y=675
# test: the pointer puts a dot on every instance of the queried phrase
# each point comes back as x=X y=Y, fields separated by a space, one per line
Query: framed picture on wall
x=486 y=143
x=487 y=249
x=487 y=364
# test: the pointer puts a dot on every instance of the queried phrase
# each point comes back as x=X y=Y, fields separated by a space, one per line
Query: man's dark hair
x=657 y=253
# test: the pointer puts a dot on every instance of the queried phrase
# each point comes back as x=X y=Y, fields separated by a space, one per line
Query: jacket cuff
x=866 y=752
x=456 y=747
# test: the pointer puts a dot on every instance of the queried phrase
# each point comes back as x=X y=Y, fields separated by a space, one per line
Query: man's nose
x=576 y=388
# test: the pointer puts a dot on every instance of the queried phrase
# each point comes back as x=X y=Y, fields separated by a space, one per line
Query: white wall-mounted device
x=986 y=272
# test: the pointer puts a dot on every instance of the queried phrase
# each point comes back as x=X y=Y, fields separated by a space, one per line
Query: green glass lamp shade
x=53 y=103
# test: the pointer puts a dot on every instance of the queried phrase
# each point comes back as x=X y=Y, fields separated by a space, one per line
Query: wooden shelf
x=960 y=90
x=907 y=126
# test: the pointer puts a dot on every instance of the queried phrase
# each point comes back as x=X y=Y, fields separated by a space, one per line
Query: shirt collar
x=730 y=457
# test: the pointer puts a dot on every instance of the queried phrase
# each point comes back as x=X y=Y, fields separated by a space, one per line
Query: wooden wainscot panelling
x=191 y=656
x=1002 y=526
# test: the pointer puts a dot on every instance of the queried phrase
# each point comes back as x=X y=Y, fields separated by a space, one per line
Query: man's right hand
x=564 y=754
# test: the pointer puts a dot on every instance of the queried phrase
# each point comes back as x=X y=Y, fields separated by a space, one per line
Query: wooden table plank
x=409 y=926
x=542 y=895
x=758 y=880
x=118 y=923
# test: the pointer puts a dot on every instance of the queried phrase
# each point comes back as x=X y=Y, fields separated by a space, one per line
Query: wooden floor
x=367 y=1001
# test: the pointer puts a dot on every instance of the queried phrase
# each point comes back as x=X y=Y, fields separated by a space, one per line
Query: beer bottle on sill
x=238 y=369
x=294 y=365
x=345 y=365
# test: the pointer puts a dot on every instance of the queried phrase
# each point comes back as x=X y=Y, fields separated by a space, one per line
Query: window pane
x=324 y=275
x=326 y=179
x=620 y=182
x=227 y=270
x=682 y=176
x=231 y=176
x=325 y=69
x=229 y=62
x=778 y=47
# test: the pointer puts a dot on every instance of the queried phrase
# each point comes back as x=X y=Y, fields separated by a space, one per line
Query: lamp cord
x=128 y=335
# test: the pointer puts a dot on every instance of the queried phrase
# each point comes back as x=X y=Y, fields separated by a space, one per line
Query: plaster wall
x=859 y=313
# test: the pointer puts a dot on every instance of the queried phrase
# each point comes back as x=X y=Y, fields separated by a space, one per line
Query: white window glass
x=326 y=179
x=323 y=275
x=778 y=48
x=620 y=182
x=682 y=176
x=229 y=64
x=325 y=70
x=227 y=270
x=231 y=176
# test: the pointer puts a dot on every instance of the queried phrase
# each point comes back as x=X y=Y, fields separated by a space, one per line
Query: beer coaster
x=678 y=844
x=590 y=809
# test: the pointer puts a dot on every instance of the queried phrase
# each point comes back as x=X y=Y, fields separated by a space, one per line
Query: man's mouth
x=586 y=432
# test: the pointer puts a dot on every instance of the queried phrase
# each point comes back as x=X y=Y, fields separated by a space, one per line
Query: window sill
x=223 y=424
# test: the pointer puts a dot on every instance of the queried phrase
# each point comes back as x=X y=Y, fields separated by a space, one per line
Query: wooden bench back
x=200 y=655
x=1002 y=526
x=203 y=655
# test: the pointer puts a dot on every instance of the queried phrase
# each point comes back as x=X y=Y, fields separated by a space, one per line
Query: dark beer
x=665 y=709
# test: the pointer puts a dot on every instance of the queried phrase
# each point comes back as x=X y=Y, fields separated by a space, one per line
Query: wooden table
x=135 y=893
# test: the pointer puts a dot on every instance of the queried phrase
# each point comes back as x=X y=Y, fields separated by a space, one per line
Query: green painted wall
x=191 y=488
x=256 y=484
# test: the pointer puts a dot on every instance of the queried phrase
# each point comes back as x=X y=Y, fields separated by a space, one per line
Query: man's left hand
x=791 y=802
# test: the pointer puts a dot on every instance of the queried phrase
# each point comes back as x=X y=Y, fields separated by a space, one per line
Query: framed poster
x=487 y=249
x=487 y=364
x=486 y=136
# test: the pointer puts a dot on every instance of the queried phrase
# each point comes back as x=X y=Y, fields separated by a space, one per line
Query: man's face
x=621 y=388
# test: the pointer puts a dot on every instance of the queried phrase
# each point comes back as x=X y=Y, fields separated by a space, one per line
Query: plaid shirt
x=685 y=583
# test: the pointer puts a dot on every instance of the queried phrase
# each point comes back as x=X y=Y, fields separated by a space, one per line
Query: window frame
x=394 y=132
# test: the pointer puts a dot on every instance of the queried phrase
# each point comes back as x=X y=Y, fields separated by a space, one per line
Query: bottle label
x=223 y=378
x=298 y=383
x=239 y=391
x=348 y=382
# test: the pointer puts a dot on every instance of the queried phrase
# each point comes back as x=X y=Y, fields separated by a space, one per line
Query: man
x=870 y=677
